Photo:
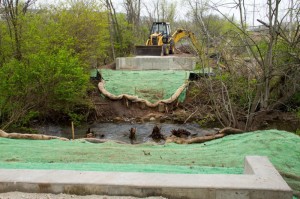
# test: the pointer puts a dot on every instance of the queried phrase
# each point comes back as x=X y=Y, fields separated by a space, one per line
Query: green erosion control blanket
x=224 y=155
x=151 y=85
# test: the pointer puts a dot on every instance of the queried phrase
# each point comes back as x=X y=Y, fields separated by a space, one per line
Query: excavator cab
x=161 y=27
x=163 y=30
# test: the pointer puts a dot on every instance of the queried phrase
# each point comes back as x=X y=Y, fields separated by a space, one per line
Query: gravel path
x=21 y=195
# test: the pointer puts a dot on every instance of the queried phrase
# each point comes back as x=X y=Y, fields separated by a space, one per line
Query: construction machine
x=161 y=42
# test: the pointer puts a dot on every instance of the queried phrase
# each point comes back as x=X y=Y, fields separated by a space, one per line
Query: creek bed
x=120 y=131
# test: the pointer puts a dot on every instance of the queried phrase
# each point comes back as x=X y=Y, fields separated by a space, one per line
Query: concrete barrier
x=259 y=181
x=156 y=63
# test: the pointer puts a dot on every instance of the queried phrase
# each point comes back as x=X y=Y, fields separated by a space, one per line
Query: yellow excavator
x=161 y=42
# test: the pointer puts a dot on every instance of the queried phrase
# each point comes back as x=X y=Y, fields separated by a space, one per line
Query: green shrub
x=297 y=132
x=44 y=84
x=76 y=118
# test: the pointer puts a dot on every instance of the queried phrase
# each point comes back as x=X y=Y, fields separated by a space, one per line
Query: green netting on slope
x=151 y=85
x=222 y=155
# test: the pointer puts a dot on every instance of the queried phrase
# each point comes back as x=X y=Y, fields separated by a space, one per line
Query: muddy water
x=120 y=131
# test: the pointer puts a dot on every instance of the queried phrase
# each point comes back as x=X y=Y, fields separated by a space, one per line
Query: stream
x=120 y=131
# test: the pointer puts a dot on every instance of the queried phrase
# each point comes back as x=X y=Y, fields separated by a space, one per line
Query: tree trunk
x=115 y=23
x=110 y=30
x=13 y=14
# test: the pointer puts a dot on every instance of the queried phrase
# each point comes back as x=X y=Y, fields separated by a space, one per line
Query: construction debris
x=185 y=140
x=182 y=133
x=156 y=134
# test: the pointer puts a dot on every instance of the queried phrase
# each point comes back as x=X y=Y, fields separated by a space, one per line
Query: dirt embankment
x=196 y=108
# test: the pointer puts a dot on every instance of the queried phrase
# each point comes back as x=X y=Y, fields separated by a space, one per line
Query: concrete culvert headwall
x=156 y=63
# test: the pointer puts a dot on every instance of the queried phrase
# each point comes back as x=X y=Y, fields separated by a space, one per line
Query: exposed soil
x=108 y=66
x=123 y=110
x=196 y=108
x=277 y=120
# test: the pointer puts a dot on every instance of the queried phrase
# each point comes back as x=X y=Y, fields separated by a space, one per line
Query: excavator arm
x=182 y=33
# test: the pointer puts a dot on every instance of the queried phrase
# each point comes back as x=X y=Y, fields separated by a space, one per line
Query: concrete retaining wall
x=260 y=181
x=156 y=63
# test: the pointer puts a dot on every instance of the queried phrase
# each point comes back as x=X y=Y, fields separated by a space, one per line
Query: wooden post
x=73 y=133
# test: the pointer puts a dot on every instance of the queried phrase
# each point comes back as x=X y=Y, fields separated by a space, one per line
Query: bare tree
x=152 y=11
x=13 y=10
x=168 y=11
x=198 y=9
x=242 y=9
x=133 y=9
x=270 y=73
x=114 y=26
x=275 y=81
x=161 y=10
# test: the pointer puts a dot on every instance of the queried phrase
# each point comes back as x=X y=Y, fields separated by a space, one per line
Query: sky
x=256 y=9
